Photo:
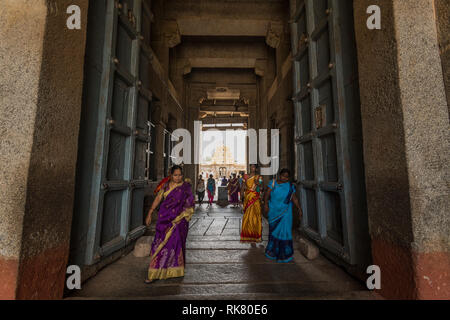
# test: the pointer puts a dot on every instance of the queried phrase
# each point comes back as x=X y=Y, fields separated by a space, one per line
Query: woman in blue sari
x=278 y=200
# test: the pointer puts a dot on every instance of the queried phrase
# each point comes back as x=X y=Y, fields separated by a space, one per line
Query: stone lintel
x=222 y=27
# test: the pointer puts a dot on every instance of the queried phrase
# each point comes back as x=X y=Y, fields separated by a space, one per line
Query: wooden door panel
x=143 y=116
x=140 y=160
x=334 y=216
x=121 y=101
x=116 y=157
x=309 y=163
x=330 y=161
x=326 y=102
x=111 y=218
x=137 y=209
x=144 y=67
x=311 y=209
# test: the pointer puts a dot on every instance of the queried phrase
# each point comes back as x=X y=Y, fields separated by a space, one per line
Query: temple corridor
x=92 y=119
x=218 y=266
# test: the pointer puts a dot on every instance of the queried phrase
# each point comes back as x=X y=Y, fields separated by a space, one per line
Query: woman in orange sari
x=251 y=222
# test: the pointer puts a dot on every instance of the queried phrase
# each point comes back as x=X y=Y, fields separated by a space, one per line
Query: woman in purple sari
x=233 y=190
x=167 y=255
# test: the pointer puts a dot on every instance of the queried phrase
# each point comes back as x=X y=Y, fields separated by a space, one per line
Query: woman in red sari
x=169 y=246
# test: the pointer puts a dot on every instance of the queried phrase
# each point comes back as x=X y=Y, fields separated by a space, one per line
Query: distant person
x=211 y=188
x=233 y=191
x=200 y=189
x=241 y=180
x=251 y=229
x=224 y=182
x=278 y=201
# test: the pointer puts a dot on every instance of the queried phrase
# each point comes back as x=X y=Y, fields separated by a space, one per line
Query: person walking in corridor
x=278 y=201
x=211 y=187
x=233 y=191
x=167 y=255
x=200 y=189
x=251 y=222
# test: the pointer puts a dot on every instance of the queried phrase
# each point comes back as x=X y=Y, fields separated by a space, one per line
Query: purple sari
x=168 y=248
x=233 y=186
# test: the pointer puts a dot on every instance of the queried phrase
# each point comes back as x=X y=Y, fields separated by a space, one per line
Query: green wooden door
x=114 y=173
x=328 y=128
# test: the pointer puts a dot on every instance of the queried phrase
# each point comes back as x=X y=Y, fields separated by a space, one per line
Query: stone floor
x=218 y=266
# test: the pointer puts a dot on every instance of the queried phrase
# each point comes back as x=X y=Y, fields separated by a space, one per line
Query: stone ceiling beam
x=240 y=63
x=222 y=27
x=227 y=63
x=220 y=120
x=223 y=108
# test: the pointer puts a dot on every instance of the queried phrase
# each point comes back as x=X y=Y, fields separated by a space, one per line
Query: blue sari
x=280 y=246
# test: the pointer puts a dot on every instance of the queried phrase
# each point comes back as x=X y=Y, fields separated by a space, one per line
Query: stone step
x=353 y=295
x=222 y=237
x=223 y=245
x=237 y=256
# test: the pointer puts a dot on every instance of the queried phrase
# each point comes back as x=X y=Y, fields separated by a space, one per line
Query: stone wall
x=442 y=8
x=405 y=133
x=42 y=63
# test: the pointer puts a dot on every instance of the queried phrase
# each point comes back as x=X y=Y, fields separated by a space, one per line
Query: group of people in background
x=233 y=184
x=176 y=207
x=210 y=188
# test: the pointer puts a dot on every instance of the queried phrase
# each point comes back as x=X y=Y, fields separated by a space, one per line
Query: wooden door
x=328 y=128
x=114 y=174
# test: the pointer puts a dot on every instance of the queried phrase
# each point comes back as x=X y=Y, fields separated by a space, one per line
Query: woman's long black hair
x=176 y=167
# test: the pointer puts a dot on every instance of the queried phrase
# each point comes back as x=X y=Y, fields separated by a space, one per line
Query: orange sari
x=251 y=222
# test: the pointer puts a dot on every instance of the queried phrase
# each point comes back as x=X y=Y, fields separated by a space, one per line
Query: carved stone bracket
x=260 y=66
x=187 y=68
x=157 y=112
x=274 y=34
x=171 y=33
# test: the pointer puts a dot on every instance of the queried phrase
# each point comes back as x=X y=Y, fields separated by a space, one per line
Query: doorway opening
x=223 y=152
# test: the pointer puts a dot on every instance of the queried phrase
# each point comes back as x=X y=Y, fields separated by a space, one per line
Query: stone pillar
x=286 y=124
x=40 y=104
x=443 y=23
x=192 y=115
x=406 y=142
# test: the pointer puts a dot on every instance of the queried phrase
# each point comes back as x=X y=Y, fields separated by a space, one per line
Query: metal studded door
x=122 y=132
x=328 y=136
